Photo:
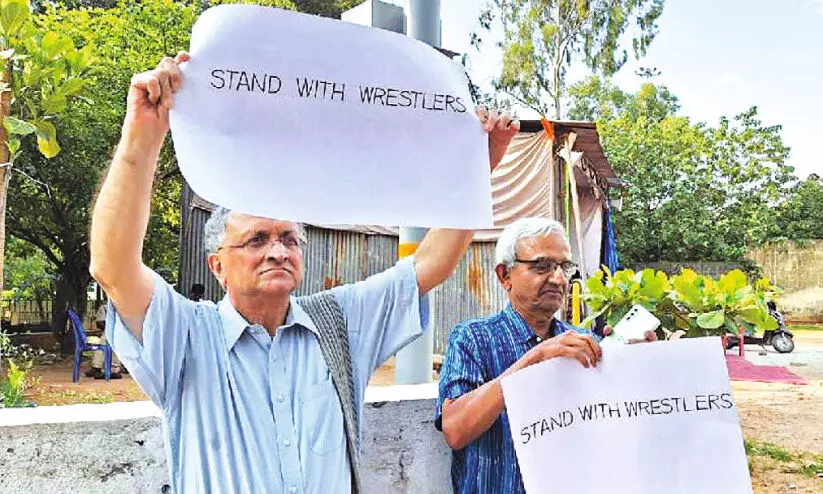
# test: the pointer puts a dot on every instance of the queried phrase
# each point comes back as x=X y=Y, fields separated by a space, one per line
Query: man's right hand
x=570 y=344
x=150 y=98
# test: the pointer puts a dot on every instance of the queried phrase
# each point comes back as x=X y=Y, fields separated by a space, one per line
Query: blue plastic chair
x=81 y=345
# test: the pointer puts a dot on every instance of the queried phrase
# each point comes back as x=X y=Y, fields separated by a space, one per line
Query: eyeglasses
x=543 y=266
x=261 y=241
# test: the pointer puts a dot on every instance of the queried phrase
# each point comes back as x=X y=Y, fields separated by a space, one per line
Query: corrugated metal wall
x=193 y=267
x=336 y=257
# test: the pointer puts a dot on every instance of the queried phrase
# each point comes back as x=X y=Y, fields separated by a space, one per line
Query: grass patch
x=806 y=464
x=73 y=397
x=773 y=451
x=806 y=327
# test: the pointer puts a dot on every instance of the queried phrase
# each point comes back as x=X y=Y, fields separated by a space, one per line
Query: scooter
x=781 y=338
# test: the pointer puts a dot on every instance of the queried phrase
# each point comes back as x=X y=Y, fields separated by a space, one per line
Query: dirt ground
x=789 y=416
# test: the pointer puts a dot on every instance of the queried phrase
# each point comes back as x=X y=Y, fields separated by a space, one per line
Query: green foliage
x=770 y=450
x=694 y=192
x=542 y=38
x=810 y=465
x=28 y=274
x=44 y=70
x=49 y=206
x=800 y=217
x=13 y=387
x=697 y=304
x=613 y=295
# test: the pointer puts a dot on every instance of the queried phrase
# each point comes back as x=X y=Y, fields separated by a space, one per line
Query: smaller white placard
x=651 y=418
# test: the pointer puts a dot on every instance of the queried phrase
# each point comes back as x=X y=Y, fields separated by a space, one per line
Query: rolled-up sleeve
x=384 y=313
x=156 y=362
x=461 y=371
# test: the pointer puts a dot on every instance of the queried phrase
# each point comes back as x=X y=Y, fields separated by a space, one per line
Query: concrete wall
x=798 y=271
x=58 y=450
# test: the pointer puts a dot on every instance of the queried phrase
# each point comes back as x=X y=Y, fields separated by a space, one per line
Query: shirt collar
x=521 y=328
x=234 y=323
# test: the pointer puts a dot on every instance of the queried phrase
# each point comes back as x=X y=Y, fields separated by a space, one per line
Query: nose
x=558 y=277
x=277 y=251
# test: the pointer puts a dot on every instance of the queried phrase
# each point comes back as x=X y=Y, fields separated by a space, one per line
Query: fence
x=20 y=316
x=713 y=269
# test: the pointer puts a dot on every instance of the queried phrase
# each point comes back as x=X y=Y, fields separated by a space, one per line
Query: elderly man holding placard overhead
x=534 y=265
x=262 y=392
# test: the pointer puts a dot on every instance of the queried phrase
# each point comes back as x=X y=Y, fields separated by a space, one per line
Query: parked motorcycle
x=781 y=339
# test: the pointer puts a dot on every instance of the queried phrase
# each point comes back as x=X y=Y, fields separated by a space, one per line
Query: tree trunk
x=5 y=173
x=71 y=294
x=5 y=166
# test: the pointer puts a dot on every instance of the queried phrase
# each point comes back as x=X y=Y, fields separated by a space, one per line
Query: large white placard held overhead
x=651 y=418
x=303 y=118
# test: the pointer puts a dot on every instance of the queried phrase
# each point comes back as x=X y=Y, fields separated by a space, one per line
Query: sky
x=718 y=57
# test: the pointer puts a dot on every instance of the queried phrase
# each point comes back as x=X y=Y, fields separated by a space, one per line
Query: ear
x=503 y=275
x=216 y=268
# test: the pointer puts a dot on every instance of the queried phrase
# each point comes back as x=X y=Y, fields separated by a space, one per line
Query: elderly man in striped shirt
x=534 y=265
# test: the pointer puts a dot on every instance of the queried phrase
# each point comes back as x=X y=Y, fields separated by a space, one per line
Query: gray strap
x=327 y=315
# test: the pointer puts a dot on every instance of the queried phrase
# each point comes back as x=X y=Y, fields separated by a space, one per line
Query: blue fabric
x=479 y=351
x=247 y=413
x=610 y=257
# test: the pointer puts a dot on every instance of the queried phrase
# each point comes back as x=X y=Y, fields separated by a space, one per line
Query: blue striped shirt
x=479 y=351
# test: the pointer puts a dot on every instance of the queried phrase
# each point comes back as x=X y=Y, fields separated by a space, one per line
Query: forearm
x=438 y=256
x=471 y=415
x=119 y=222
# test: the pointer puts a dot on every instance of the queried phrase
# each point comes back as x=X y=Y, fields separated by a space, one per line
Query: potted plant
x=688 y=303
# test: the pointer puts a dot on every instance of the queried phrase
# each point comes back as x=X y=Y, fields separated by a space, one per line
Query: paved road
x=806 y=360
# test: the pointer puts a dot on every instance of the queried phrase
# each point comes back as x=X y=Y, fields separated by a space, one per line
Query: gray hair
x=505 y=252
x=214 y=232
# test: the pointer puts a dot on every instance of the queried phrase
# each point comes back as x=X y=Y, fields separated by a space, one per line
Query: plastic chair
x=81 y=345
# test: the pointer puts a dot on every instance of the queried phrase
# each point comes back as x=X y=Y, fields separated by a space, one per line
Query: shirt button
x=293 y=489
x=280 y=398
x=287 y=443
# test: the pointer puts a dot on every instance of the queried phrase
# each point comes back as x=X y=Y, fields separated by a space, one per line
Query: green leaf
x=595 y=283
x=54 y=104
x=55 y=46
x=47 y=139
x=71 y=87
x=733 y=281
x=18 y=127
x=13 y=16
x=80 y=60
x=14 y=146
x=711 y=320
x=653 y=284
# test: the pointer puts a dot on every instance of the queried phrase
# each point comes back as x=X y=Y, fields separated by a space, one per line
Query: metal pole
x=414 y=362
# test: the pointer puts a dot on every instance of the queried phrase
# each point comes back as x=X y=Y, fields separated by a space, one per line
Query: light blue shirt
x=247 y=413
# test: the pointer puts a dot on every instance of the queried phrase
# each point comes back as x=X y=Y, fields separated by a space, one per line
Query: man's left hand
x=647 y=336
x=501 y=129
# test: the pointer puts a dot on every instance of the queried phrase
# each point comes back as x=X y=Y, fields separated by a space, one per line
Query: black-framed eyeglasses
x=261 y=241
x=543 y=266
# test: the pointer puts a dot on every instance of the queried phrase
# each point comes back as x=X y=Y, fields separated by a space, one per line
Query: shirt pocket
x=323 y=417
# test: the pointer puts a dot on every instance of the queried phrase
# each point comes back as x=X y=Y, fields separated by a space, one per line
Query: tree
x=694 y=192
x=542 y=38
x=42 y=72
x=51 y=210
x=28 y=275
x=801 y=216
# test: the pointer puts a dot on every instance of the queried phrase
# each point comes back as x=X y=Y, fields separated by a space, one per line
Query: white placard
x=303 y=118
x=651 y=418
